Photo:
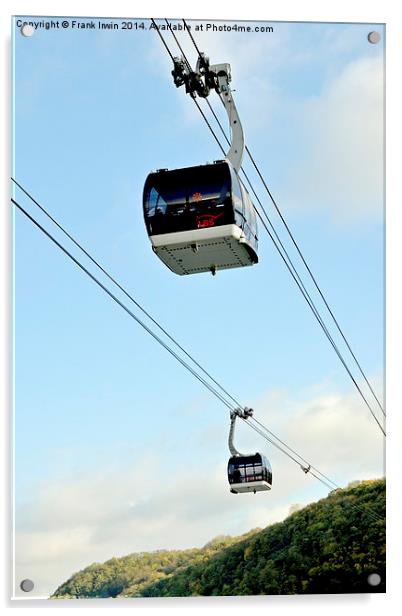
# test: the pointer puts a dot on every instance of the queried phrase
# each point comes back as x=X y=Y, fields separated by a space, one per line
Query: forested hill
x=328 y=547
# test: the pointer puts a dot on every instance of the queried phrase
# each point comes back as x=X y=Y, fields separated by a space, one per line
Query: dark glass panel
x=184 y=199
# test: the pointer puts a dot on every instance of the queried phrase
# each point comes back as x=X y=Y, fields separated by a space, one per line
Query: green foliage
x=327 y=547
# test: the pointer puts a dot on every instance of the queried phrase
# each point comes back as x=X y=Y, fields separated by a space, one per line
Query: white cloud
x=116 y=511
x=341 y=135
x=335 y=432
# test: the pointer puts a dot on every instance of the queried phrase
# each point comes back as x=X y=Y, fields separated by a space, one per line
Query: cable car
x=246 y=473
x=200 y=219
x=251 y=473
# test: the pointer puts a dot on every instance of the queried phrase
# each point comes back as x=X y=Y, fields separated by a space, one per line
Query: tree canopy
x=331 y=546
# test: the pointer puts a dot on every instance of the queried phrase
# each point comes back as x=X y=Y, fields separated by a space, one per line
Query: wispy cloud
x=342 y=129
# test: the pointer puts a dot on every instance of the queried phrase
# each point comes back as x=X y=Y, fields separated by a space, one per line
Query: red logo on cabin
x=197 y=196
x=207 y=220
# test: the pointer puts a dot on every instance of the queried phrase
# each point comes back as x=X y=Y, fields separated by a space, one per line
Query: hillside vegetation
x=328 y=547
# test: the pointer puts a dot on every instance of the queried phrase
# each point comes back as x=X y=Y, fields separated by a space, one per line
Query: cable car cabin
x=251 y=473
x=200 y=219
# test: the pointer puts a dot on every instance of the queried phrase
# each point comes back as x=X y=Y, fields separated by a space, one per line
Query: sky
x=117 y=448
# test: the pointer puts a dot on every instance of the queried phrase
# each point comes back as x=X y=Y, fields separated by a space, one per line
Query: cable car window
x=254 y=221
x=248 y=209
x=237 y=196
x=211 y=191
x=174 y=196
x=164 y=195
x=191 y=198
x=156 y=203
x=266 y=463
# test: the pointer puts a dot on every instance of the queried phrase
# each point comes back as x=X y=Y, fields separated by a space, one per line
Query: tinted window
x=156 y=202
x=249 y=212
x=165 y=195
x=192 y=198
x=248 y=469
x=237 y=196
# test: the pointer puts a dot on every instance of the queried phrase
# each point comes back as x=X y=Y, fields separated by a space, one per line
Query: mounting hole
x=27 y=585
x=374 y=37
x=374 y=579
x=27 y=30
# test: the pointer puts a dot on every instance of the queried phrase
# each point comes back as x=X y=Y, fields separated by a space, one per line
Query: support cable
x=122 y=305
x=130 y=297
x=262 y=430
x=87 y=254
x=314 y=280
x=289 y=265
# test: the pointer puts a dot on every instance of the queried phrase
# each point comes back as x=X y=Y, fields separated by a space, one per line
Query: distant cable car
x=250 y=473
x=202 y=219
x=247 y=473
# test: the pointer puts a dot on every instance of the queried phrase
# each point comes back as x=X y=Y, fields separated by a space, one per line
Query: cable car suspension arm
x=244 y=414
x=200 y=82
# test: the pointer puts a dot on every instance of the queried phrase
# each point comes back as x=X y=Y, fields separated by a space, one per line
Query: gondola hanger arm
x=243 y=414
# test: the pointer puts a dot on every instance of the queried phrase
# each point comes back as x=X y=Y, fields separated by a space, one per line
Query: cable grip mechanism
x=200 y=82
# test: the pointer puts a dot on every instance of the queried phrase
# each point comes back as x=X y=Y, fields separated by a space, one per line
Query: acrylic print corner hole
x=374 y=37
x=26 y=585
x=27 y=29
x=198 y=287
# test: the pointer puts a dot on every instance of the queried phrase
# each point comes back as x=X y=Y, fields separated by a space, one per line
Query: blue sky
x=97 y=402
